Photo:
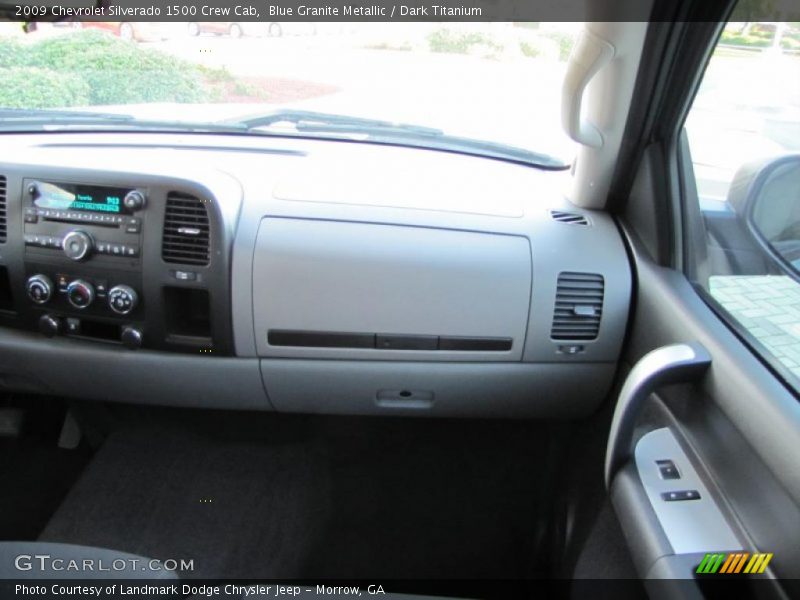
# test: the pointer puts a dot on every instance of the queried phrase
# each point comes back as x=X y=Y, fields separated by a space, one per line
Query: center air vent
x=3 y=224
x=579 y=306
x=186 y=232
x=568 y=217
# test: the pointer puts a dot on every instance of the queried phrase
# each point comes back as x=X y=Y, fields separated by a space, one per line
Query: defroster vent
x=579 y=306
x=569 y=218
x=3 y=214
x=186 y=230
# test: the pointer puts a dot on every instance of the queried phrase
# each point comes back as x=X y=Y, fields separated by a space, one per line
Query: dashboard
x=302 y=276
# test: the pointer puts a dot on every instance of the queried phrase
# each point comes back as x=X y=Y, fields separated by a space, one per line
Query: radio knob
x=77 y=245
x=49 y=325
x=131 y=337
x=80 y=293
x=134 y=200
x=122 y=299
x=39 y=288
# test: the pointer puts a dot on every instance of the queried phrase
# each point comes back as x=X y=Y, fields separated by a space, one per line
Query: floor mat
x=235 y=509
x=357 y=498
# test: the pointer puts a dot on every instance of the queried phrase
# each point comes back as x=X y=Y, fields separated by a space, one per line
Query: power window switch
x=680 y=495
x=667 y=469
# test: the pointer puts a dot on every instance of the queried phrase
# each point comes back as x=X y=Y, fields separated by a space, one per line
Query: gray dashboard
x=343 y=278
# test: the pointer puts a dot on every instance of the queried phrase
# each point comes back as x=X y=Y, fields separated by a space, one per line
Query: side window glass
x=744 y=137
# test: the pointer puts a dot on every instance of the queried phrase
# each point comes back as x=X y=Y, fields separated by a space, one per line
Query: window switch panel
x=680 y=495
x=667 y=469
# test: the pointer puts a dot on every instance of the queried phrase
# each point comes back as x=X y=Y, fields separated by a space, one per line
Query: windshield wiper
x=310 y=121
x=50 y=120
x=388 y=132
x=19 y=115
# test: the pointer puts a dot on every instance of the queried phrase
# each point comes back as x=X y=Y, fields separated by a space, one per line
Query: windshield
x=484 y=88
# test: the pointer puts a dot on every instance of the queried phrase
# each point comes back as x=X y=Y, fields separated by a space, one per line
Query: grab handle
x=589 y=56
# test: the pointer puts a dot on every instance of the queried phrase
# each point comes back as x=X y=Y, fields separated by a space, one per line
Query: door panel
x=739 y=427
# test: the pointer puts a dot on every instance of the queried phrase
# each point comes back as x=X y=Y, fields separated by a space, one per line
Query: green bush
x=759 y=39
x=748 y=41
x=119 y=72
x=31 y=87
x=565 y=41
x=112 y=70
x=454 y=42
x=10 y=52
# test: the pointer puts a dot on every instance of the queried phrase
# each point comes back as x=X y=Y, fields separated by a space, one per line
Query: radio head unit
x=72 y=197
x=107 y=219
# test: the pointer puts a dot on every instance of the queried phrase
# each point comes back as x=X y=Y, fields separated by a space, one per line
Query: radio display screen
x=78 y=197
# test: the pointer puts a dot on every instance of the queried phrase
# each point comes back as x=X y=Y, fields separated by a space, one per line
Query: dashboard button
x=134 y=225
x=184 y=275
x=73 y=325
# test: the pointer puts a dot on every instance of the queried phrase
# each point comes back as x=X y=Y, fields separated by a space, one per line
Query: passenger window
x=744 y=138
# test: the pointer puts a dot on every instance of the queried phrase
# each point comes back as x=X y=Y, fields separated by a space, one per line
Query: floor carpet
x=330 y=498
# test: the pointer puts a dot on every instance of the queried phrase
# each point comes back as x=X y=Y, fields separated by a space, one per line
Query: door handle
x=676 y=363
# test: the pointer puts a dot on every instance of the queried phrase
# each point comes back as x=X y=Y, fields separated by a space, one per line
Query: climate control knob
x=131 y=337
x=49 y=325
x=80 y=293
x=134 y=200
x=122 y=299
x=39 y=288
x=77 y=245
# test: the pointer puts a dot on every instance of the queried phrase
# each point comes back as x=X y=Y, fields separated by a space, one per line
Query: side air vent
x=568 y=217
x=186 y=232
x=579 y=306
x=3 y=222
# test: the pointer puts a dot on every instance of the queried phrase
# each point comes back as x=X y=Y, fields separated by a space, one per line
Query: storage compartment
x=188 y=316
x=325 y=289
x=427 y=389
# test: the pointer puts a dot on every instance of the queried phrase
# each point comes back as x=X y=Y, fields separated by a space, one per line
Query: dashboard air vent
x=568 y=217
x=186 y=231
x=3 y=223
x=579 y=306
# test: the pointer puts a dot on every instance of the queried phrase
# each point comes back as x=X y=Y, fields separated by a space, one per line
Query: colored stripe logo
x=734 y=562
